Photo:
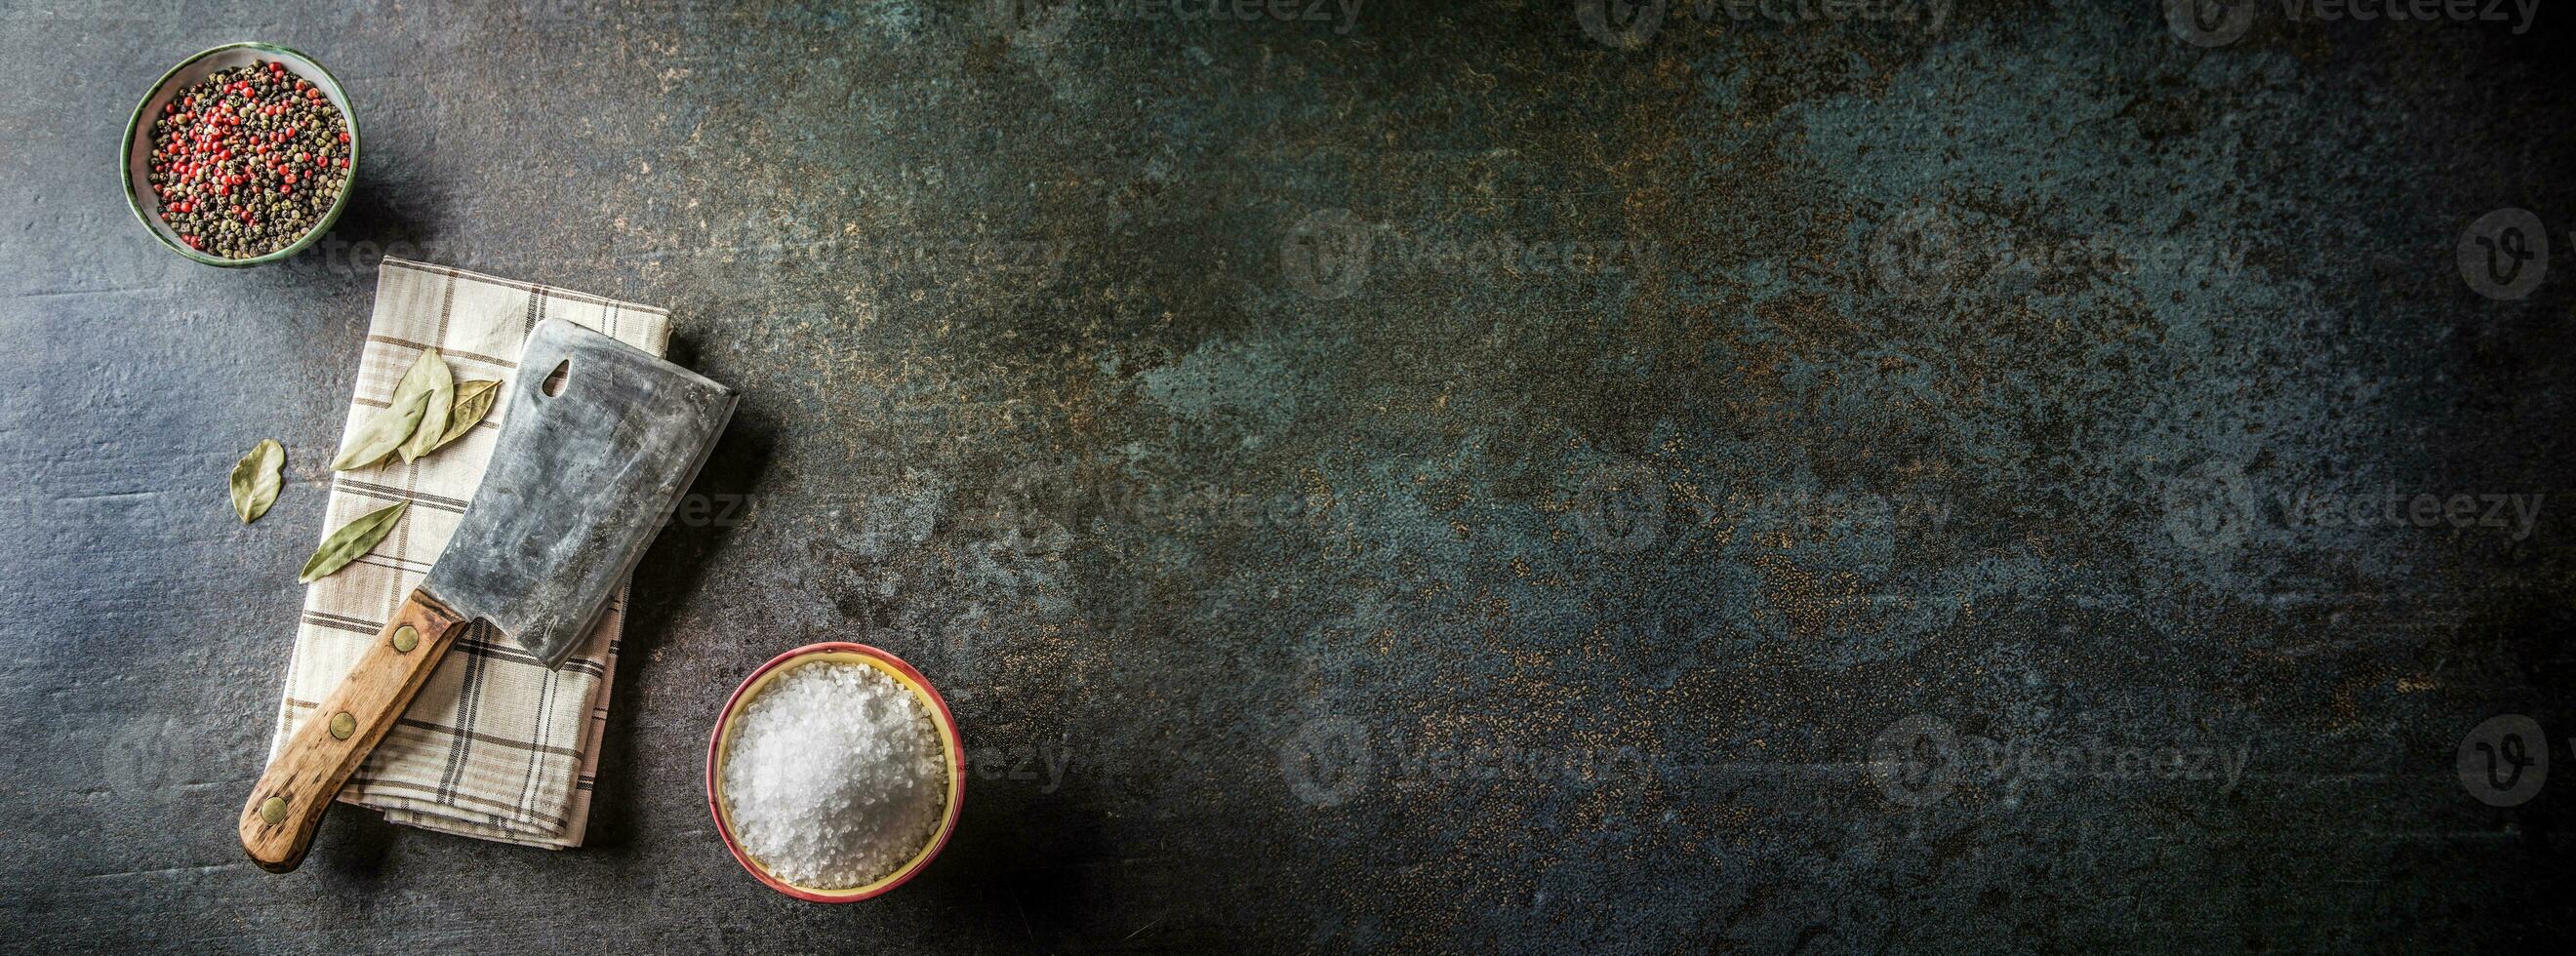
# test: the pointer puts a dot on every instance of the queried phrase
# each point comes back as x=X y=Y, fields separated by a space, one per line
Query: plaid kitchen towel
x=495 y=746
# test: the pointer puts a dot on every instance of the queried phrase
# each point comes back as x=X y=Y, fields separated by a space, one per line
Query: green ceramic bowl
x=189 y=72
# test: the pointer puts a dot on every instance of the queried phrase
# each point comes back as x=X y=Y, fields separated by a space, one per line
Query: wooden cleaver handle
x=286 y=806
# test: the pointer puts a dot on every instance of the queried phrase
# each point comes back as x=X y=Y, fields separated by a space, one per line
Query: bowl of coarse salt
x=835 y=772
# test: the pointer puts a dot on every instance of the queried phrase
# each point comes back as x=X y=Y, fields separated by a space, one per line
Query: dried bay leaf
x=256 y=479
x=428 y=374
x=382 y=433
x=350 y=542
x=473 y=402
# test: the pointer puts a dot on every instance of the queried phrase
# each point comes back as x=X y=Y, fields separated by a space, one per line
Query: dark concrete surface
x=1430 y=480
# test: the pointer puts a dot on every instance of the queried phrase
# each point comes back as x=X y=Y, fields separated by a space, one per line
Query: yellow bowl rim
x=950 y=741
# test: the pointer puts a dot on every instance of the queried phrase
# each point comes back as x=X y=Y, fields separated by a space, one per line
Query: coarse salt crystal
x=834 y=778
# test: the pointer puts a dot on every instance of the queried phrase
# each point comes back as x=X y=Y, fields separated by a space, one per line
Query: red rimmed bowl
x=950 y=741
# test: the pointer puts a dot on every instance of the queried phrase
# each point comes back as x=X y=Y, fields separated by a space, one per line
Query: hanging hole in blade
x=554 y=384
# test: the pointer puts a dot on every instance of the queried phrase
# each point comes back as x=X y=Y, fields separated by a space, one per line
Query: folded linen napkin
x=495 y=746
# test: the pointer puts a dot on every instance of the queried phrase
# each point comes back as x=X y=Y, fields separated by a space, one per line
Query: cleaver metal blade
x=598 y=442
x=577 y=486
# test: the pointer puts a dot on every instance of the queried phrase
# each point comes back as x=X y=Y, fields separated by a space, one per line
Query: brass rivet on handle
x=342 y=725
x=273 y=809
x=405 y=639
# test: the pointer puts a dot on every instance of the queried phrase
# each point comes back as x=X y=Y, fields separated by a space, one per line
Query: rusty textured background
x=1430 y=480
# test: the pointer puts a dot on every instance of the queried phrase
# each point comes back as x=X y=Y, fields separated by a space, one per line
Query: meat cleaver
x=579 y=482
